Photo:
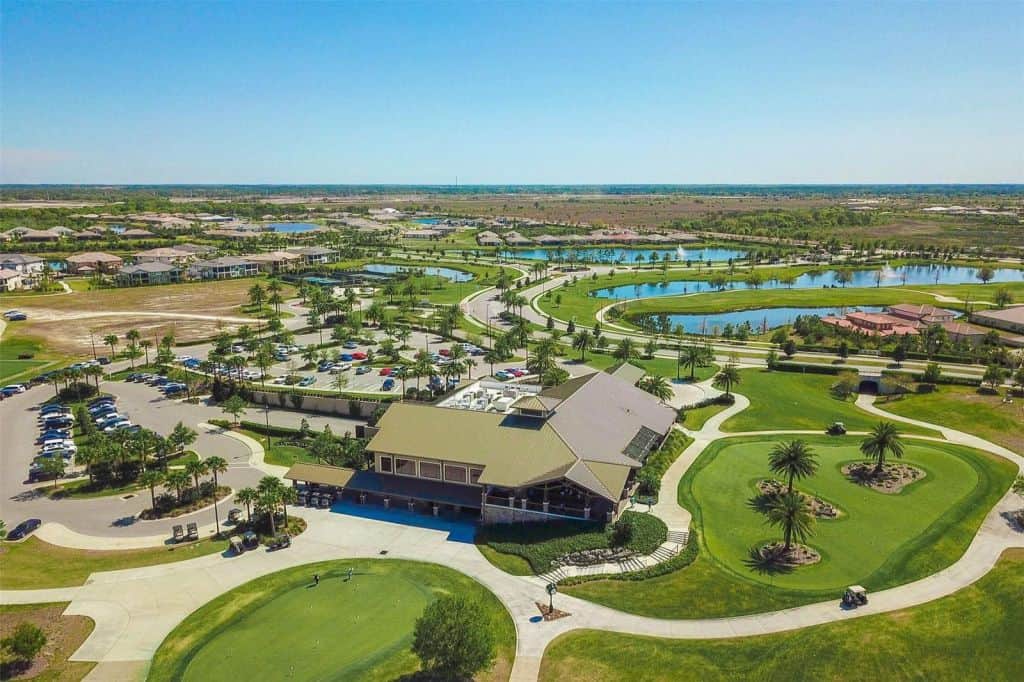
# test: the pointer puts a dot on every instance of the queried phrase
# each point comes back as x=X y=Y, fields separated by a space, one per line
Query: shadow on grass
x=764 y=561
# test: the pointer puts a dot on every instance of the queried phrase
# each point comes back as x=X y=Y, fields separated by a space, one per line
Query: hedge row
x=807 y=368
x=541 y=543
x=659 y=461
x=679 y=561
x=943 y=378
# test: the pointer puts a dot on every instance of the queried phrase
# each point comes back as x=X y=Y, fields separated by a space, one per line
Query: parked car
x=388 y=384
x=307 y=381
x=15 y=388
x=53 y=407
x=103 y=360
x=15 y=316
x=359 y=355
x=24 y=529
x=347 y=357
x=364 y=369
x=350 y=345
x=117 y=426
x=341 y=367
x=385 y=371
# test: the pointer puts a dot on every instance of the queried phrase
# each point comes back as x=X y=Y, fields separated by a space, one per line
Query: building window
x=474 y=475
x=430 y=470
x=385 y=465
x=406 y=467
x=454 y=473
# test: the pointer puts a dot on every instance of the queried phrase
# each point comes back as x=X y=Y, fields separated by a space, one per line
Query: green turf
x=792 y=400
x=709 y=589
x=973 y=634
x=281 y=626
x=35 y=564
x=879 y=540
x=11 y=368
x=696 y=417
x=966 y=409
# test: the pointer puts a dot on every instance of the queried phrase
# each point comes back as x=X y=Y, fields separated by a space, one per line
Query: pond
x=627 y=256
x=431 y=270
x=760 y=319
x=428 y=221
x=885 y=277
x=292 y=228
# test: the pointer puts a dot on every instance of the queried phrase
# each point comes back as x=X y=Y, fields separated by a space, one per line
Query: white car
x=279 y=380
x=108 y=419
x=251 y=374
x=14 y=388
x=183 y=358
x=117 y=426
x=341 y=367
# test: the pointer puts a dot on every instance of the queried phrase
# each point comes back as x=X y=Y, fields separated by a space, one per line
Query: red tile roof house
x=873 y=324
x=925 y=314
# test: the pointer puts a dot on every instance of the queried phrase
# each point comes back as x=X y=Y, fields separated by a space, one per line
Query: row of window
x=453 y=473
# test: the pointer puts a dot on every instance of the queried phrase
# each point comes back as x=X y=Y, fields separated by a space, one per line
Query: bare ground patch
x=64 y=634
x=891 y=479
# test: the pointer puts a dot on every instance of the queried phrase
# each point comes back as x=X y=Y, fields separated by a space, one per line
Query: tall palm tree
x=111 y=340
x=793 y=459
x=583 y=341
x=195 y=469
x=151 y=479
x=216 y=465
x=178 y=480
x=793 y=514
x=728 y=377
x=656 y=385
x=884 y=440
x=693 y=357
x=248 y=497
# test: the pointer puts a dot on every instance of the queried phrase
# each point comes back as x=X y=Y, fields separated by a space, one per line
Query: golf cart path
x=135 y=609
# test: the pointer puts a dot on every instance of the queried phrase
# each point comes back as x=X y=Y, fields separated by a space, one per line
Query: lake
x=887 y=277
x=432 y=270
x=292 y=228
x=627 y=256
x=760 y=318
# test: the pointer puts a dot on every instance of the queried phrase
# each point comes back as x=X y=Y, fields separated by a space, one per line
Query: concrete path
x=135 y=609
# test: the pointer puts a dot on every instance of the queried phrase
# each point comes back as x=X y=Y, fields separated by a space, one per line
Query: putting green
x=285 y=627
x=879 y=540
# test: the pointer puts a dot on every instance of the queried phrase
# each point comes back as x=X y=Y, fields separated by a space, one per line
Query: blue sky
x=494 y=92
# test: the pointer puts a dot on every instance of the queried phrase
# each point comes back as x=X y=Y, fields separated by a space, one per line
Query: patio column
x=586 y=512
x=435 y=510
x=511 y=500
x=387 y=502
x=546 y=506
x=412 y=504
x=362 y=498
x=522 y=503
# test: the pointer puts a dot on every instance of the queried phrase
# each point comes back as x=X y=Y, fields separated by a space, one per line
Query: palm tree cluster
x=791 y=510
x=883 y=441
x=268 y=497
x=125 y=455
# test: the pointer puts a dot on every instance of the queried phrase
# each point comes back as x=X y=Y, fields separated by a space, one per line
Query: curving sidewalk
x=135 y=609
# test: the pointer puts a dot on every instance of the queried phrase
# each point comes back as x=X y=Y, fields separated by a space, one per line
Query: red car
x=385 y=371
x=359 y=355
x=445 y=352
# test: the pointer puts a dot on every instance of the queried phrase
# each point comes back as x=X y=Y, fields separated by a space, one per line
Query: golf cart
x=836 y=429
x=855 y=596
x=280 y=542
x=251 y=540
x=235 y=515
x=179 y=533
x=236 y=544
x=193 y=531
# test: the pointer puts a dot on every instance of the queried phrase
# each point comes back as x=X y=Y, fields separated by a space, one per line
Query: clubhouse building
x=570 y=451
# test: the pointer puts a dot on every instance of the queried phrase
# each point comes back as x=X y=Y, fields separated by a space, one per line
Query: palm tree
x=626 y=350
x=195 y=469
x=884 y=440
x=583 y=341
x=793 y=459
x=151 y=479
x=178 y=480
x=793 y=513
x=656 y=385
x=111 y=340
x=728 y=377
x=216 y=465
x=269 y=490
x=247 y=496
x=693 y=357
x=288 y=496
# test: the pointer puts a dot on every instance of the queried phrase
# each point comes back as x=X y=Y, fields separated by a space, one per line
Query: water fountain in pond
x=680 y=253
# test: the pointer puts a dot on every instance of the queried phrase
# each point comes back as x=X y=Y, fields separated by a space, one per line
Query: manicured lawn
x=792 y=400
x=510 y=563
x=11 y=368
x=972 y=634
x=965 y=409
x=279 y=454
x=711 y=588
x=666 y=367
x=283 y=627
x=878 y=541
x=696 y=417
x=34 y=564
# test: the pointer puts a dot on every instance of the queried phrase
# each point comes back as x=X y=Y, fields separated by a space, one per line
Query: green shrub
x=679 y=561
x=658 y=462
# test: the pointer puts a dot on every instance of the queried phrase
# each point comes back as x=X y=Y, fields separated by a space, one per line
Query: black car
x=24 y=529
x=103 y=360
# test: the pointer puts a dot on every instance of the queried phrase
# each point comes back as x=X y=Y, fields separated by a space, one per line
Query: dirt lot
x=64 y=634
x=188 y=311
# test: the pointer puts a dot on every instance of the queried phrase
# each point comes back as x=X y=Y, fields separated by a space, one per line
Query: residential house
x=150 y=272
x=515 y=239
x=315 y=255
x=165 y=254
x=567 y=452
x=277 y=261
x=11 y=280
x=488 y=238
x=93 y=261
x=924 y=314
x=225 y=267
x=136 y=233
x=1009 y=319
x=26 y=264
x=422 y=234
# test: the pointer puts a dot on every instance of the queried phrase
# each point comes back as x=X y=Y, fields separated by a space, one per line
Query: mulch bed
x=798 y=555
x=187 y=508
x=892 y=479
x=64 y=634
x=820 y=508
x=550 y=614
